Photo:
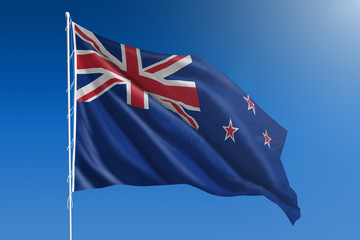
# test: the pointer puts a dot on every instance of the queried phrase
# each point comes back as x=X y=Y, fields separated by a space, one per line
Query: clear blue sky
x=299 y=60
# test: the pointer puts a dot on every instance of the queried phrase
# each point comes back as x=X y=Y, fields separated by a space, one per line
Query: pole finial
x=67 y=14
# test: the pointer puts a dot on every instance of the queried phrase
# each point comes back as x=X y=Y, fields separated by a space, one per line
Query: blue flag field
x=144 y=118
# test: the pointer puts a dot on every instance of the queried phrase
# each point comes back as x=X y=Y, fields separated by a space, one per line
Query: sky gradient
x=299 y=60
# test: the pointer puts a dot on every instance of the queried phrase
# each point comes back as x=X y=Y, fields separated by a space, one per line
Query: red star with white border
x=251 y=105
x=267 y=138
x=230 y=130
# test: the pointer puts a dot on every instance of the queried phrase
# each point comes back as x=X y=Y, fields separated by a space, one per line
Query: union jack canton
x=144 y=119
x=175 y=95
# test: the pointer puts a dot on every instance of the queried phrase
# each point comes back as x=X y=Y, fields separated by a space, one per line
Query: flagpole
x=67 y=15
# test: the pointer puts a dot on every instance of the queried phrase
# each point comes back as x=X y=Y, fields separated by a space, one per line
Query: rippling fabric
x=222 y=146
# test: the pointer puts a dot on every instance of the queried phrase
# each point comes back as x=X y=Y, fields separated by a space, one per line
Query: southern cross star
x=267 y=139
x=251 y=105
x=230 y=130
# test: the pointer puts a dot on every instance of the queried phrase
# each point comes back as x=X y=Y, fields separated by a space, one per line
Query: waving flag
x=144 y=118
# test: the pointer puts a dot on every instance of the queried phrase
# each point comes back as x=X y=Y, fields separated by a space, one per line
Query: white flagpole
x=67 y=15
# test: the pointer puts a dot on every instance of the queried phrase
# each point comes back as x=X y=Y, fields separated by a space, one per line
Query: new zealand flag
x=144 y=118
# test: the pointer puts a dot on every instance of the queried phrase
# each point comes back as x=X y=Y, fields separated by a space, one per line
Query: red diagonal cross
x=139 y=84
x=173 y=94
